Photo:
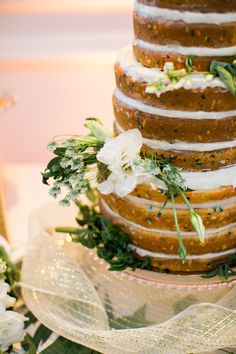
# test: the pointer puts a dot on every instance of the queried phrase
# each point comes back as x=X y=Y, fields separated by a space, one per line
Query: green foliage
x=189 y=62
x=223 y=271
x=227 y=74
x=12 y=274
x=112 y=244
x=136 y=320
x=59 y=346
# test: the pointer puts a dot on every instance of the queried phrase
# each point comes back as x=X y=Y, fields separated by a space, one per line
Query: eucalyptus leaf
x=227 y=78
x=226 y=72
x=189 y=62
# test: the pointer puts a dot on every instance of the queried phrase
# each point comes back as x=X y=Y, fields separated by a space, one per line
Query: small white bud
x=197 y=223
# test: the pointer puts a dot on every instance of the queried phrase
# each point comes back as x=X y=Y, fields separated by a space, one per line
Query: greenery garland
x=226 y=72
x=97 y=232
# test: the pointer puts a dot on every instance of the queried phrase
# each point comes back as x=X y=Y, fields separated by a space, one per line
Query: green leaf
x=137 y=320
x=227 y=79
x=226 y=72
x=31 y=319
x=224 y=271
x=211 y=274
x=28 y=345
x=189 y=62
x=42 y=334
x=12 y=274
x=216 y=64
x=112 y=244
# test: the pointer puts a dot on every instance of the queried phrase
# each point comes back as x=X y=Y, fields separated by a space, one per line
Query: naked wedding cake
x=167 y=176
x=177 y=86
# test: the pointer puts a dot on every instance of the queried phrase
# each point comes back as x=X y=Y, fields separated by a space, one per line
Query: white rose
x=11 y=329
x=5 y=300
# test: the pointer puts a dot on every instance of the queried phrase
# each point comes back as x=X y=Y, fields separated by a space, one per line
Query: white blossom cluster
x=11 y=323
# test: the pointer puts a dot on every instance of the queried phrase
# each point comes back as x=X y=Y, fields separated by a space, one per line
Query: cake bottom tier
x=161 y=245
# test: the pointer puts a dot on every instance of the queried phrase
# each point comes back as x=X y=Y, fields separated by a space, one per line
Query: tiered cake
x=187 y=116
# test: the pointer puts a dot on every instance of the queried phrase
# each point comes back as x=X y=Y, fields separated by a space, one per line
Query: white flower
x=5 y=300
x=11 y=329
x=120 y=154
x=121 y=151
x=168 y=67
x=121 y=182
x=3 y=266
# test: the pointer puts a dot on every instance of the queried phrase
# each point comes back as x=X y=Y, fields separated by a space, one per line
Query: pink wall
x=61 y=68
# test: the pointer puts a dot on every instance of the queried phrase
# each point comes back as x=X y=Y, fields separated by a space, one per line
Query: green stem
x=165 y=202
x=185 y=199
x=182 y=249
x=67 y=230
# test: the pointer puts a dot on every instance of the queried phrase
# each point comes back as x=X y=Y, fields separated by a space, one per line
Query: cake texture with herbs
x=166 y=177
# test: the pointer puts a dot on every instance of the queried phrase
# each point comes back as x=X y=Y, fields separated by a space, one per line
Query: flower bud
x=197 y=223
x=182 y=253
x=98 y=131
x=3 y=266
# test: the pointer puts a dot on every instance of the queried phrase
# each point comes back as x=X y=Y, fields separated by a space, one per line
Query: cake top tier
x=205 y=6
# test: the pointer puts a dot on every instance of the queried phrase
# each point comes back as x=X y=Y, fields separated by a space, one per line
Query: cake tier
x=181 y=155
x=151 y=57
x=215 y=215
x=163 y=31
x=204 y=6
x=191 y=124
x=164 y=34
x=207 y=97
x=162 y=245
x=187 y=155
x=161 y=124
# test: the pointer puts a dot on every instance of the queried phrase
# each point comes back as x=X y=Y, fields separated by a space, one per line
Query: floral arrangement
x=114 y=164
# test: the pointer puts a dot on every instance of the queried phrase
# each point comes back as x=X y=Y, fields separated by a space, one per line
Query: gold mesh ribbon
x=80 y=300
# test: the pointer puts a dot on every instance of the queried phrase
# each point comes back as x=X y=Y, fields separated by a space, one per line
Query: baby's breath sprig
x=75 y=165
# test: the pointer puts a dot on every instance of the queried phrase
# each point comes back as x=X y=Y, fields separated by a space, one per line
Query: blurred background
x=57 y=56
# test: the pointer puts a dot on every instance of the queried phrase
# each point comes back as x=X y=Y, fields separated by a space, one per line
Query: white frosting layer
x=209 y=232
x=132 y=103
x=210 y=205
x=143 y=253
x=211 y=179
x=183 y=146
x=186 y=16
x=198 y=51
x=138 y=72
